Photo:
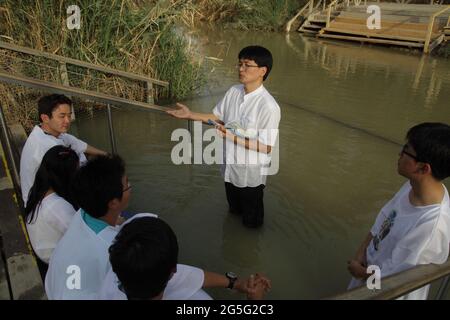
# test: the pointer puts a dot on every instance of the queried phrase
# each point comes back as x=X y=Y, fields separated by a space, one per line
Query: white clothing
x=186 y=284
x=258 y=112
x=45 y=230
x=405 y=236
x=37 y=144
x=81 y=254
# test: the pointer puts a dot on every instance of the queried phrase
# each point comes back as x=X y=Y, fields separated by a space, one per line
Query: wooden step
x=395 y=36
x=371 y=40
x=309 y=32
x=391 y=18
x=388 y=24
x=396 y=7
x=312 y=26
x=383 y=30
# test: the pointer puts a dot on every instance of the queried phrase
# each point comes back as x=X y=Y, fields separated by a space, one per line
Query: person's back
x=81 y=252
x=80 y=260
x=413 y=228
x=55 y=215
x=144 y=266
x=50 y=207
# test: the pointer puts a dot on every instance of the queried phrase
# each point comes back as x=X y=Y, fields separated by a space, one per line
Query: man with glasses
x=413 y=228
x=251 y=107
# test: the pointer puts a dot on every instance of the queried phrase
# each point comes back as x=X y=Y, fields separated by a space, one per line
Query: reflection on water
x=345 y=111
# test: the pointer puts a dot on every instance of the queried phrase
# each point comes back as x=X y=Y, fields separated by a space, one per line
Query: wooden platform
x=401 y=24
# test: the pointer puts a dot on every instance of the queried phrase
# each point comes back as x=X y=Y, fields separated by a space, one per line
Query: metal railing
x=65 y=88
x=64 y=61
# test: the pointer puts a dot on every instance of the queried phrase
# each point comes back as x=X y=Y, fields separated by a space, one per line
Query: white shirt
x=37 y=144
x=186 y=284
x=80 y=261
x=53 y=218
x=259 y=112
x=405 y=236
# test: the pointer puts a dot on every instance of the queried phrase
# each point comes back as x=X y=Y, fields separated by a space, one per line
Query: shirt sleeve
x=61 y=215
x=76 y=144
x=268 y=126
x=219 y=109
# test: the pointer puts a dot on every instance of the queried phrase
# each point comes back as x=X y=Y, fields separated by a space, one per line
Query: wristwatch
x=232 y=277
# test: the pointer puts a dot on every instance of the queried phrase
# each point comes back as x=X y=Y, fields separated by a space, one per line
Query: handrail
x=401 y=283
x=290 y=22
x=91 y=95
x=329 y=12
x=426 y=47
x=13 y=47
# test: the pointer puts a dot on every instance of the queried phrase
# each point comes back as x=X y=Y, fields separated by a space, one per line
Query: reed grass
x=138 y=36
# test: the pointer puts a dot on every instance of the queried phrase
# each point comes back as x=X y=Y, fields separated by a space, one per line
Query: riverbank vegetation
x=264 y=15
x=138 y=36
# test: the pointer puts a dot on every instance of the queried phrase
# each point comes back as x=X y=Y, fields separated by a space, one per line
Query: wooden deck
x=406 y=25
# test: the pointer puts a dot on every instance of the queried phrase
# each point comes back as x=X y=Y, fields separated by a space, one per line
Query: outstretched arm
x=94 y=151
x=183 y=112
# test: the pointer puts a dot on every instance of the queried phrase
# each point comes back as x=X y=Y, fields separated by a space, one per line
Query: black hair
x=431 y=141
x=260 y=55
x=143 y=256
x=47 y=104
x=97 y=183
x=56 y=172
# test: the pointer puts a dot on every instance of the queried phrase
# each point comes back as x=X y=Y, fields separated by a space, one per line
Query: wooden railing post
x=311 y=6
x=64 y=77
x=426 y=46
x=149 y=92
x=329 y=12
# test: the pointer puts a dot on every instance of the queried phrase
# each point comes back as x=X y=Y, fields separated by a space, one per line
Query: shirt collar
x=46 y=133
x=94 y=224
x=256 y=92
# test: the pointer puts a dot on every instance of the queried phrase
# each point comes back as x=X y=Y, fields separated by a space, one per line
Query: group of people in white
x=74 y=207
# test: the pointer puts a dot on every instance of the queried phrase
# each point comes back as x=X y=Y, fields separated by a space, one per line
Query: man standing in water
x=251 y=108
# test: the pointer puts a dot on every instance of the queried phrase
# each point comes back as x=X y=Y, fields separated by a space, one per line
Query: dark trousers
x=247 y=202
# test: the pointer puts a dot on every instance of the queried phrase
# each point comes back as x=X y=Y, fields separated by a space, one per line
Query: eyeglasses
x=127 y=188
x=245 y=66
x=408 y=153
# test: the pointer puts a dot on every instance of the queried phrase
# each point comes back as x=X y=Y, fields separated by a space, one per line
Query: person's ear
x=45 y=118
x=425 y=169
x=265 y=71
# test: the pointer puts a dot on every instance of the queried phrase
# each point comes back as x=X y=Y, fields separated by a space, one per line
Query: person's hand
x=181 y=112
x=257 y=287
x=224 y=133
x=357 y=269
x=361 y=259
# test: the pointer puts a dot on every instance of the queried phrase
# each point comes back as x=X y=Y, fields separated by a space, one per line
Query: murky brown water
x=345 y=111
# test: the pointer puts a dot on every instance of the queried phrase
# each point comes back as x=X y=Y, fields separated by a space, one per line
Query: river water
x=345 y=111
